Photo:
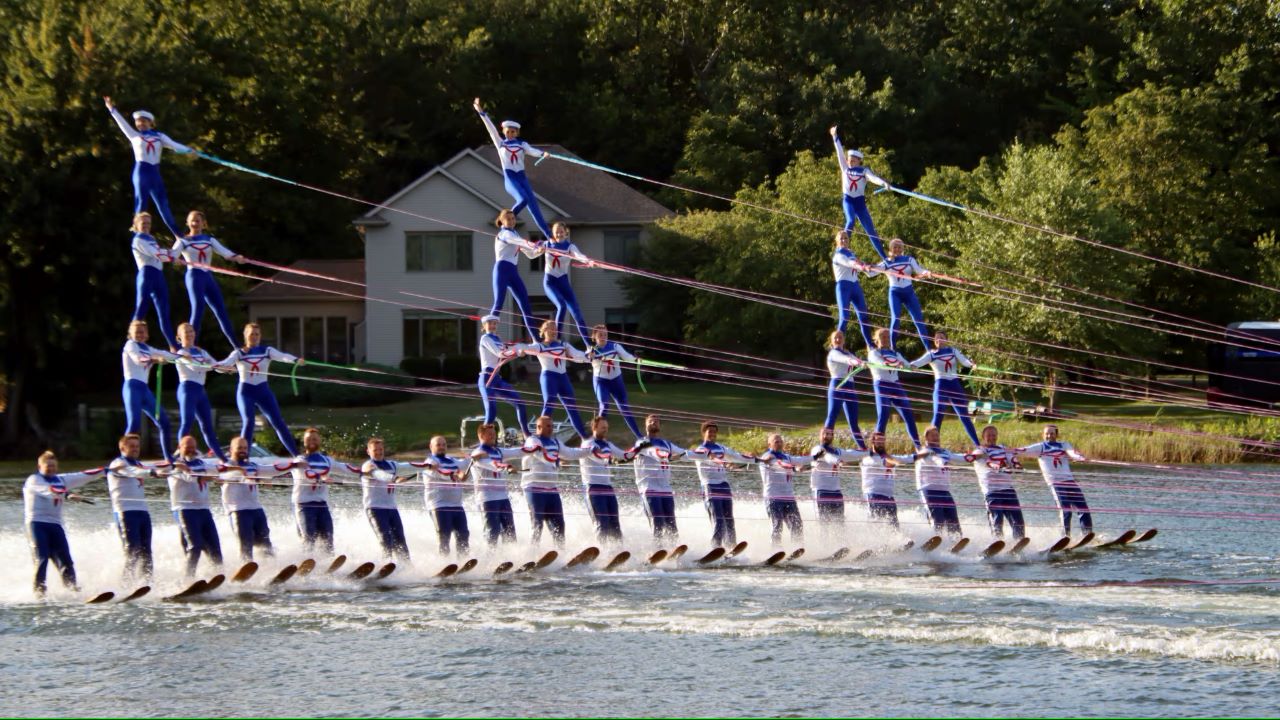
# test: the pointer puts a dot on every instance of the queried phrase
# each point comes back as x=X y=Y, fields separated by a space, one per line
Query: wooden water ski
x=337 y=563
x=1059 y=546
x=737 y=549
x=961 y=544
x=191 y=590
x=527 y=567
x=285 y=573
x=362 y=571
x=100 y=598
x=714 y=555
x=245 y=572
x=992 y=549
x=932 y=543
x=1144 y=536
x=134 y=595
x=546 y=559
x=864 y=555
x=305 y=567
x=678 y=552
x=1020 y=545
x=795 y=554
x=384 y=571
x=215 y=582
x=837 y=556
x=447 y=571
x=1088 y=538
x=468 y=566
x=774 y=559
x=657 y=557
x=1121 y=539
x=503 y=568
x=618 y=560
x=585 y=557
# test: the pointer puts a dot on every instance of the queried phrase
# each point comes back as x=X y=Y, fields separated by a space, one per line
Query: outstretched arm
x=488 y=124
x=835 y=137
x=125 y=127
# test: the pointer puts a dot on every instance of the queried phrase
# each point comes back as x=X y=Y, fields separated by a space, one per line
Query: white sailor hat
x=143 y=114
x=854 y=153
x=510 y=124
x=489 y=318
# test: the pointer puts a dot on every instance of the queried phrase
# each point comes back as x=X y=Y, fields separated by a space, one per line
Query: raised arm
x=125 y=127
x=835 y=137
x=488 y=124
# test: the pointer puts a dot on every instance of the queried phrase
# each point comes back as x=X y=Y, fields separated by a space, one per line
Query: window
x=437 y=252
x=313 y=337
x=269 y=331
x=327 y=339
x=622 y=320
x=337 y=342
x=290 y=336
x=622 y=246
x=430 y=335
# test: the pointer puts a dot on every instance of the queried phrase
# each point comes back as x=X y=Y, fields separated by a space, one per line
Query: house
x=310 y=316
x=438 y=271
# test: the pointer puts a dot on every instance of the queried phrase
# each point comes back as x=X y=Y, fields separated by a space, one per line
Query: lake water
x=899 y=634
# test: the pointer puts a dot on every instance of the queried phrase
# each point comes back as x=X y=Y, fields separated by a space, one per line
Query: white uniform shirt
x=945 y=363
x=595 y=460
x=853 y=180
x=560 y=256
x=134 y=359
x=841 y=362
x=125 y=479
x=933 y=471
x=493 y=351
x=252 y=364
x=877 y=475
x=148 y=145
x=777 y=473
x=311 y=477
x=510 y=152
x=489 y=470
x=194 y=365
x=826 y=469
x=542 y=462
x=148 y=253
x=240 y=489
x=1055 y=460
x=378 y=484
x=554 y=357
x=190 y=490
x=884 y=364
x=200 y=249
x=899 y=268
x=653 y=465
x=994 y=467
x=712 y=460
x=507 y=246
x=444 y=477
x=43 y=495
x=606 y=360
x=844 y=264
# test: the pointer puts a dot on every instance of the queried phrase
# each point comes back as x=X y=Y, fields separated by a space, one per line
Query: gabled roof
x=580 y=194
x=312 y=288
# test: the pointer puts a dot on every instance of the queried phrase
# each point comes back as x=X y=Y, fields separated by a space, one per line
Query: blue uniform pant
x=546 y=508
x=883 y=507
x=661 y=510
x=890 y=394
x=949 y=394
x=135 y=535
x=193 y=406
x=202 y=288
x=388 y=527
x=49 y=544
x=199 y=536
x=499 y=521
x=850 y=292
x=251 y=398
x=556 y=387
x=250 y=527
x=153 y=290
x=561 y=294
x=499 y=389
x=900 y=297
x=147 y=185
x=506 y=277
x=719 y=497
x=517 y=184
x=451 y=522
x=315 y=525
x=830 y=505
x=1003 y=505
x=940 y=508
x=843 y=399
x=785 y=512
x=1071 y=499
x=603 y=502
x=140 y=402
x=614 y=389
x=855 y=209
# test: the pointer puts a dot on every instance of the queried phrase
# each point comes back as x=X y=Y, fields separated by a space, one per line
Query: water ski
x=795 y=554
x=618 y=560
x=337 y=563
x=100 y=598
x=908 y=545
x=305 y=567
x=503 y=568
x=961 y=544
x=215 y=582
x=657 y=557
x=245 y=572
x=1088 y=538
x=447 y=571
x=737 y=549
x=468 y=566
x=1120 y=539
x=714 y=555
x=775 y=558
x=362 y=571
x=678 y=552
x=527 y=567
x=837 y=556
x=285 y=573
x=585 y=557
x=384 y=571
x=932 y=543
x=1059 y=546
x=1020 y=545
x=992 y=549
x=546 y=559
x=1144 y=536
x=135 y=594
x=191 y=590
x=864 y=555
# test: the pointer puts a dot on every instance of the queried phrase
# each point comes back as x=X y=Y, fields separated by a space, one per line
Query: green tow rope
x=653 y=363
x=293 y=379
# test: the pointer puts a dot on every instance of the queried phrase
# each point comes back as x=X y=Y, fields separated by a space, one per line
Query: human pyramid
x=542 y=457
